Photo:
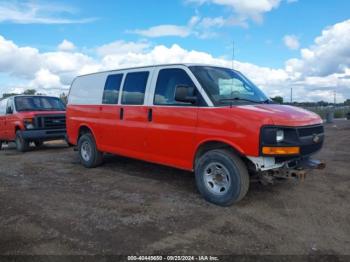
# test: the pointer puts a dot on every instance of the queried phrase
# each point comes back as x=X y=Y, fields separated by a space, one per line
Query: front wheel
x=21 y=144
x=221 y=177
x=88 y=153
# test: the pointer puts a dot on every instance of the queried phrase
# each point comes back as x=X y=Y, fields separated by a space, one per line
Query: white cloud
x=245 y=9
x=122 y=47
x=196 y=26
x=242 y=11
x=21 y=61
x=44 y=79
x=163 y=30
x=291 y=41
x=329 y=54
x=34 y=13
x=66 y=46
x=321 y=68
x=42 y=69
x=208 y=22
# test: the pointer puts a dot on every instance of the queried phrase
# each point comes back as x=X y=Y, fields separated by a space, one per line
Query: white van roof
x=156 y=65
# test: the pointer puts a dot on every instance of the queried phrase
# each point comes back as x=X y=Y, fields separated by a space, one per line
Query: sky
x=279 y=44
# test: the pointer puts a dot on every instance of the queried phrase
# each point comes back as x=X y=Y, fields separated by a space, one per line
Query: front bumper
x=44 y=134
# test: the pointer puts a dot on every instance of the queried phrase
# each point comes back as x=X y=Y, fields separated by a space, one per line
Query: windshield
x=225 y=86
x=38 y=103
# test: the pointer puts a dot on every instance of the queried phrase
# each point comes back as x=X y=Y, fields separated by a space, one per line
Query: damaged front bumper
x=268 y=171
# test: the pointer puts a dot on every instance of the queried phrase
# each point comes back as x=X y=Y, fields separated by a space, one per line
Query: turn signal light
x=28 y=120
x=281 y=150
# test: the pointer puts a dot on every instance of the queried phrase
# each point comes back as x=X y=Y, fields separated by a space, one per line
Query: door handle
x=150 y=115
x=121 y=114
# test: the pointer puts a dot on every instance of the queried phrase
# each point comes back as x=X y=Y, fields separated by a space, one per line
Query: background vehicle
x=207 y=119
x=26 y=119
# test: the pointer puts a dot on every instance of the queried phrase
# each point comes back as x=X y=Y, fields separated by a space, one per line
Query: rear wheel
x=221 y=177
x=89 y=155
x=21 y=144
x=1 y=145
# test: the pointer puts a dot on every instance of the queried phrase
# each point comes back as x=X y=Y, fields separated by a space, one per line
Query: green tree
x=64 y=98
x=322 y=103
x=29 y=92
x=347 y=102
x=277 y=99
x=5 y=95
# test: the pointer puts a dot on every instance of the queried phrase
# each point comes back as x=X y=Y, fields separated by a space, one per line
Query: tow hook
x=294 y=173
x=298 y=172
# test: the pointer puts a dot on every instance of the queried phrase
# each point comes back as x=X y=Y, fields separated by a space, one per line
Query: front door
x=171 y=133
x=3 y=104
x=9 y=120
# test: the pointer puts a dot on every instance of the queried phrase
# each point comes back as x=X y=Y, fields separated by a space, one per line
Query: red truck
x=25 y=119
x=207 y=119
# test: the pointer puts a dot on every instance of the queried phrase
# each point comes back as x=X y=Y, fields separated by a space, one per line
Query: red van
x=25 y=119
x=207 y=119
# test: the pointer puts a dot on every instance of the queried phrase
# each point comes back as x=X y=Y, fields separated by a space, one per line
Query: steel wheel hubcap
x=217 y=178
x=86 y=151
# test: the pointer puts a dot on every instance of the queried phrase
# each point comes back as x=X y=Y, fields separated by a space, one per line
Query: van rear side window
x=134 y=88
x=111 y=90
x=3 y=104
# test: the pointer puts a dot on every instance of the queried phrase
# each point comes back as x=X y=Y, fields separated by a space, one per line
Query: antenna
x=233 y=54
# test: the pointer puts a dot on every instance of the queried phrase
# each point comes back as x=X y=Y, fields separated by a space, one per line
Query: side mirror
x=9 y=110
x=185 y=94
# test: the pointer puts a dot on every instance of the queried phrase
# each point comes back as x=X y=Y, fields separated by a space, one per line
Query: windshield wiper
x=268 y=101
x=239 y=99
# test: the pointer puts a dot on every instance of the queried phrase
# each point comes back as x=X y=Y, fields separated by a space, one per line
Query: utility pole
x=291 y=95
x=335 y=97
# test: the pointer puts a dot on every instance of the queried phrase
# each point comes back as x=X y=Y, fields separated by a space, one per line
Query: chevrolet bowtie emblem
x=316 y=138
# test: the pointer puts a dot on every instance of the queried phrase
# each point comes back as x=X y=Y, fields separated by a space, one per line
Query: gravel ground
x=50 y=204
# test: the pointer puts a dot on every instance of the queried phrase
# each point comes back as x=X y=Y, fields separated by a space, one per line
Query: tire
x=21 y=144
x=38 y=143
x=1 y=145
x=222 y=177
x=89 y=155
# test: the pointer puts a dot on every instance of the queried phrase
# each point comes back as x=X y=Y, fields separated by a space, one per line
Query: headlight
x=279 y=136
x=275 y=141
x=28 y=123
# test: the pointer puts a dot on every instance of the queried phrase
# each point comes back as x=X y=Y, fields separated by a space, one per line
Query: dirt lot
x=50 y=204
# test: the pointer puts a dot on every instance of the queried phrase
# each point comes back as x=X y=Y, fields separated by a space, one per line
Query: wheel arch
x=208 y=145
x=83 y=129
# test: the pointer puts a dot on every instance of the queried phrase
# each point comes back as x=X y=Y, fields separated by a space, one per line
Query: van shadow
x=133 y=167
x=10 y=148
x=183 y=181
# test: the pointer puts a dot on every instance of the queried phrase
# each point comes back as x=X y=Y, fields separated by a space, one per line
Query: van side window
x=9 y=107
x=111 y=90
x=167 y=81
x=134 y=88
x=3 y=104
